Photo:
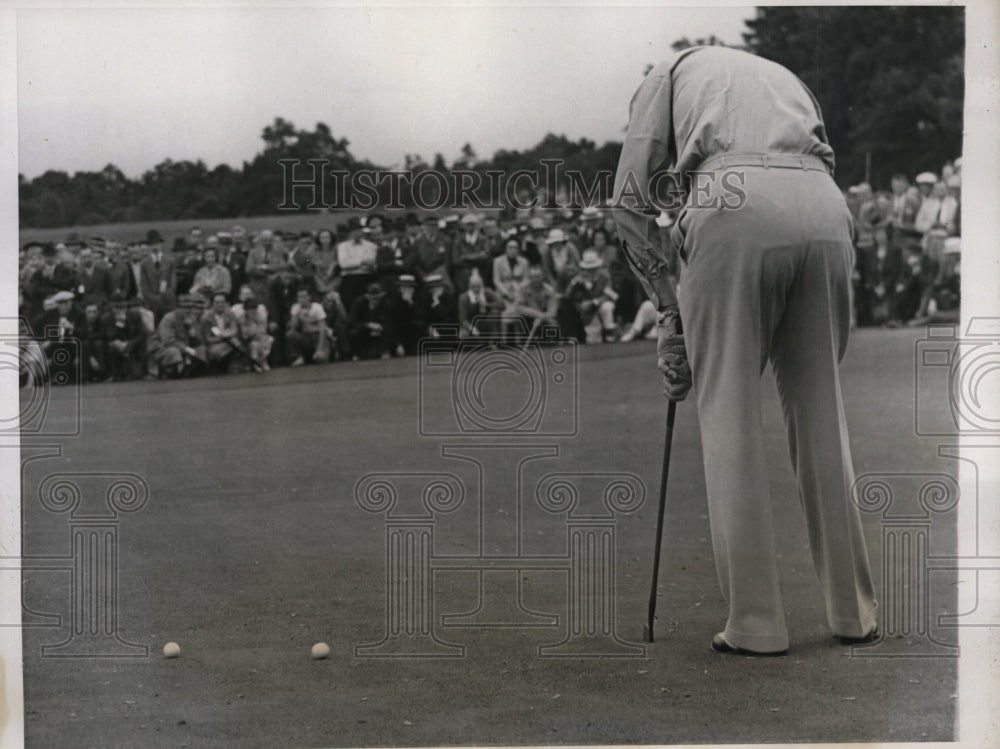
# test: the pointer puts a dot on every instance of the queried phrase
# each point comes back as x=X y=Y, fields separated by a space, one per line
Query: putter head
x=647 y=633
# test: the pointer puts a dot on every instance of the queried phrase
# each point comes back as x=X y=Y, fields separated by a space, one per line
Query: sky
x=133 y=87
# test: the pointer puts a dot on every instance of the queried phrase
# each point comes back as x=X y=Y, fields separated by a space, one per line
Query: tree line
x=890 y=82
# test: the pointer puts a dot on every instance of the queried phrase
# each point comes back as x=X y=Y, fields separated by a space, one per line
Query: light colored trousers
x=767 y=281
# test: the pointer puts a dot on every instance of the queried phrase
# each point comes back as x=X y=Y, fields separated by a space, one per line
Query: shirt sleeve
x=647 y=148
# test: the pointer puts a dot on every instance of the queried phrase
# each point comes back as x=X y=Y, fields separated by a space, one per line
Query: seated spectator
x=479 y=310
x=176 y=349
x=336 y=322
x=251 y=316
x=93 y=351
x=367 y=325
x=125 y=335
x=437 y=305
x=915 y=278
x=220 y=331
x=306 y=331
x=509 y=270
x=62 y=330
x=536 y=302
x=561 y=260
x=408 y=327
x=211 y=278
x=644 y=324
x=588 y=309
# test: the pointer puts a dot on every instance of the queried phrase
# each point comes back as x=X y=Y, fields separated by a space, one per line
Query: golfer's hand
x=671 y=355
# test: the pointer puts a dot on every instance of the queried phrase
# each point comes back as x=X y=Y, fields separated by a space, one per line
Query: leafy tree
x=888 y=79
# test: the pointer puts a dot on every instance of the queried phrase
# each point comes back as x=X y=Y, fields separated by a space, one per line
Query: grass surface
x=251 y=548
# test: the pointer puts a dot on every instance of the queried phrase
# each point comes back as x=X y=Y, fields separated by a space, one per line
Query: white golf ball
x=171 y=650
x=320 y=650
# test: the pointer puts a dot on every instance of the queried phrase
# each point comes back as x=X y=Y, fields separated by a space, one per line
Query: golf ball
x=320 y=650
x=171 y=650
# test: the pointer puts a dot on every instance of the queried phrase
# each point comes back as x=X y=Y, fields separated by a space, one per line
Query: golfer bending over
x=764 y=239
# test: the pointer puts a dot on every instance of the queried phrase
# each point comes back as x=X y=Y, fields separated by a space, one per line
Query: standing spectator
x=930 y=222
x=251 y=316
x=282 y=293
x=325 y=261
x=950 y=216
x=138 y=280
x=300 y=259
x=211 y=278
x=367 y=325
x=561 y=260
x=125 y=335
x=93 y=281
x=589 y=308
x=260 y=265
x=356 y=258
x=470 y=252
x=306 y=328
x=393 y=258
x=176 y=349
x=165 y=268
x=220 y=331
x=234 y=259
x=431 y=252
x=590 y=222
x=50 y=278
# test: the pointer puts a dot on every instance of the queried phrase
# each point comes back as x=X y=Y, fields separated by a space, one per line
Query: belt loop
x=802 y=163
x=763 y=158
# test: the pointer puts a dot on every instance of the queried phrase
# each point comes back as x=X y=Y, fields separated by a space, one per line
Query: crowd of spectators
x=369 y=288
x=375 y=286
x=908 y=249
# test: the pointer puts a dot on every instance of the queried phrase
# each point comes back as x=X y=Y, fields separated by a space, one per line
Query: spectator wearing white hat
x=589 y=312
x=561 y=259
x=591 y=220
x=470 y=252
x=479 y=309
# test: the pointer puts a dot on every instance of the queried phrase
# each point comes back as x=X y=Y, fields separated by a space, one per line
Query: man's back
x=725 y=100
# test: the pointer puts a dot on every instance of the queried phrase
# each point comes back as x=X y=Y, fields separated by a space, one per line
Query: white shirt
x=356 y=257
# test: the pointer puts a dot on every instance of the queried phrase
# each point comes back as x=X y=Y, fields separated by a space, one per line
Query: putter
x=647 y=630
